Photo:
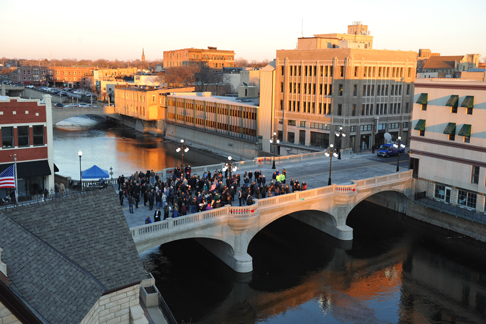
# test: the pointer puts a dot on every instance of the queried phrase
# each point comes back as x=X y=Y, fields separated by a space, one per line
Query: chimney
x=3 y=270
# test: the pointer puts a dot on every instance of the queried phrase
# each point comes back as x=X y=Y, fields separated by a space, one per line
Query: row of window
x=452 y=102
x=363 y=128
x=380 y=109
x=23 y=136
x=464 y=198
x=327 y=71
x=233 y=111
x=369 y=90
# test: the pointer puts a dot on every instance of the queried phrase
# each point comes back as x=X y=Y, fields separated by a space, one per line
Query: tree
x=179 y=76
x=241 y=62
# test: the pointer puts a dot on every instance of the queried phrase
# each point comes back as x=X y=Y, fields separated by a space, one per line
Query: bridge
x=10 y=90
x=61 y=113
x=227 y=231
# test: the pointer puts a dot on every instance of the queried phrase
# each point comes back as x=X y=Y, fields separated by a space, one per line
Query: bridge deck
x=315 y=172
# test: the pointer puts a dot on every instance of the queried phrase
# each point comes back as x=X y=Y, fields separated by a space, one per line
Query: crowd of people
x=184 y=193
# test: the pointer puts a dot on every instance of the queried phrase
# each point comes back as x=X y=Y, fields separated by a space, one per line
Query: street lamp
x=398 y=146
x=111 y=173
x=340 y=135
x=183 y=150
x=80 y=173
x=227 y=166
x=330 y=152
x=274 y=140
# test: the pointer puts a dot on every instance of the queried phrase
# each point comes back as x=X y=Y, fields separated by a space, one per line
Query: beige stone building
x=448 y=146
x=318 y=90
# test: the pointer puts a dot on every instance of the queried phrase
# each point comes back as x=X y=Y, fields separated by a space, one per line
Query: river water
x=112 y=145
x=396 y=270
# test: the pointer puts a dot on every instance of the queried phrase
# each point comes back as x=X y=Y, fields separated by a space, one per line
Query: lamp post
x=228 y=166
x=330 y=152
x=183 y=150
x=274 y=140
x=111 y=173
x=340 y=135
x=398 y=146
x=80 y=173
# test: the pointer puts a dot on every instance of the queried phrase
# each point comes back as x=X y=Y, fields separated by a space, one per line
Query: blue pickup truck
x=387 y=150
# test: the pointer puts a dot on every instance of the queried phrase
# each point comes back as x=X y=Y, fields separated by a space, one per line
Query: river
x=396 y=270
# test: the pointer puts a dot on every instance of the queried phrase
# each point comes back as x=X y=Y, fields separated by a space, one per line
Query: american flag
x=7 y=179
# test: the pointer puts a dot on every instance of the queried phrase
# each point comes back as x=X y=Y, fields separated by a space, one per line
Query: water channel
x=396 y=270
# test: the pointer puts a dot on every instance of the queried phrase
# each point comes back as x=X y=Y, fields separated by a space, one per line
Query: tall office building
x=337 y=80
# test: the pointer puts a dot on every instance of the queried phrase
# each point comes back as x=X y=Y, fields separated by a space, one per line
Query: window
x=466 y=198
x=342 y=71
x=439 y=191
x=381 y=126
x=341 y=89
x=353 y=112
x=302 y=124
x=394 y=126
x=291 y=137
x=366 y=127
x=423 y=107
x=475 y=175
x=355 y=90
x=7 y=137
x=340 y=110
x=468 y=103
x=408 y=89
x=38 y=135
x=23 y=136
x=352 y=129
x=405 y=125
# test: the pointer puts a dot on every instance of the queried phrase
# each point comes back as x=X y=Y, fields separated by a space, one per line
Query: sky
x=253 y=29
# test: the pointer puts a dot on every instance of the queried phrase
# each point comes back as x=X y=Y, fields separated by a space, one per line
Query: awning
x=422 y=99
x=450 y=129
x=465 y=131
x=56 y=169
x=468 y=102
x=452 y=101
x=30 y=169
x=420 y=126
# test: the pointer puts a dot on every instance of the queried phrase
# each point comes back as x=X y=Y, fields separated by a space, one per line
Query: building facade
x=367 y=92
x=33 y=74
x=448 y=146
x=26 y=135
x=69 y=76
x=210 y=57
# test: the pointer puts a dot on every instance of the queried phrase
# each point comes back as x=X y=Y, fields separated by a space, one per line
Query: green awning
x=420 y=125
x=422 y=99
x=452 y=101
x=468 y=102
x=465 y=131
x=450 y=129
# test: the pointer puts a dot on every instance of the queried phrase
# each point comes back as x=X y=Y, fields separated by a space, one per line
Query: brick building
x=69 y=76
x=26 y=134
x=33 y=74
x=210 y=57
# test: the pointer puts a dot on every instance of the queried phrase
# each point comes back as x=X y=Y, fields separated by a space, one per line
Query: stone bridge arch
x=62 y=113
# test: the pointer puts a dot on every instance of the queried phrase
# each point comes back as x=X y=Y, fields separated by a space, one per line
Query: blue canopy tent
x=95 y=173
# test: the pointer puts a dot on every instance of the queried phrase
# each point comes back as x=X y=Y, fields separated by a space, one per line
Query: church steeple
x=143 y=55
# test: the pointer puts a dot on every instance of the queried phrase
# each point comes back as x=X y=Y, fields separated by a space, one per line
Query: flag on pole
x=7 y=179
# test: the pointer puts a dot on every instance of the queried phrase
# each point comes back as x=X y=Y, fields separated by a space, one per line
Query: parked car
x=59 y=105
x=387 y=150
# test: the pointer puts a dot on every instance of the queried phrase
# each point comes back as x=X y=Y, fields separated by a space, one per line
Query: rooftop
x=206 y=96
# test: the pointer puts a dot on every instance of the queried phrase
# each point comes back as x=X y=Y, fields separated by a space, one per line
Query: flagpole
x=15 y=178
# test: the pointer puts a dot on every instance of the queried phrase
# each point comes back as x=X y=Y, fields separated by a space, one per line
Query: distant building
x=358 y=36
x=145 y=103
x=159 y=68
x=448 y=147
x=143 y=55
x=316 y=91
x=210 y=57
x=69 y=76
x=445 y=66
x=32 y=74
x=26 y=128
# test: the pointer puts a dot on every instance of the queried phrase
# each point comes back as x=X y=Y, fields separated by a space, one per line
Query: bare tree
x=179 y=76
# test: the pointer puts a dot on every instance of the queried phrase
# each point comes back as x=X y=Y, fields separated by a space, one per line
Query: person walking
x=61 y=189
x=157 y=215
x=121 y=196
x=130 y=204
x=56 y=190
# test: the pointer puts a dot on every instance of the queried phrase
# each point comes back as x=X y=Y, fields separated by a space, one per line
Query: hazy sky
x=253 y=29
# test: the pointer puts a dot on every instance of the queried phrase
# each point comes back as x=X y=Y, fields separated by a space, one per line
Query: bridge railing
x=220 y=214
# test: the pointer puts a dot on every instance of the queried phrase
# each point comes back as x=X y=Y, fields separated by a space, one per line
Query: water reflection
x=111 y=145
x=398 y=271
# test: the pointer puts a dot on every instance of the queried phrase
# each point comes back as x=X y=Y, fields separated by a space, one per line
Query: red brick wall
x=20 y=108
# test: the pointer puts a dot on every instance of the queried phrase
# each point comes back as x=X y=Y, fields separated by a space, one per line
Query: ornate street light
x=111 y=173
x=340 y=135
x=330 y=152
x=80 y=173
x=274 y=140
x=398 y=146
x=228 y=166
x=183 y=149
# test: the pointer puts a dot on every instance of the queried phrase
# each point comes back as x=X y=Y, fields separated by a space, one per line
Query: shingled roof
x=442 y=62
x=87 y=251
